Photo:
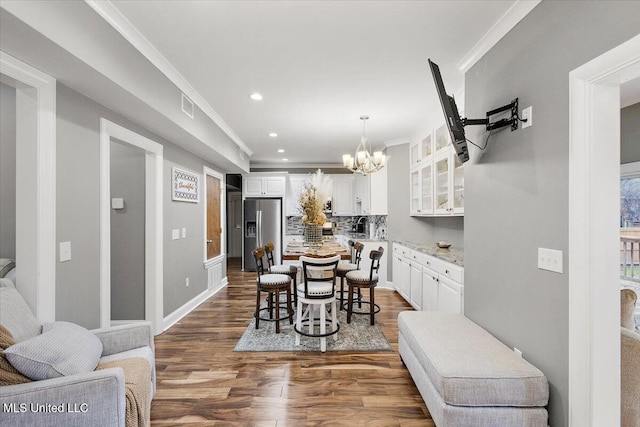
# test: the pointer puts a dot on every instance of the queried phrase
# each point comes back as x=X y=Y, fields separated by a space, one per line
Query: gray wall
x=517 y=191
x=127 y=232
x=401 y=226
x=630 y=134
x=78 y=160
x=7 y=171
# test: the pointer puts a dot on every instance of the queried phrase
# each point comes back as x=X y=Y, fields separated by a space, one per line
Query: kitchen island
x=294 y=250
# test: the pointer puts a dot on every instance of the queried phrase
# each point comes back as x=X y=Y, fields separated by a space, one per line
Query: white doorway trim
x=594 y=207
x=153 y=222
x=220 y=258
x=38 y=265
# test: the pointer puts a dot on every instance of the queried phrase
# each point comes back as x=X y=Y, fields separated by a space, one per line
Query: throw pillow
x=65 y=349
x=8 y=374
x=628 y=300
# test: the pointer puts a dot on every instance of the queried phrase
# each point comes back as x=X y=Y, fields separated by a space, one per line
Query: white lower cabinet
x=402 y=276
x=416 y=286
x=426 y=282
x=450 y=297
x=429 y=289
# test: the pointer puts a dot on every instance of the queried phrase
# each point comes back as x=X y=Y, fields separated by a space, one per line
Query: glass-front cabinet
x=436 y=176
x=442 y=165
x=426 y=188
x=415 y=207
x=458 y=184
x=420 y=151
x=443 y=140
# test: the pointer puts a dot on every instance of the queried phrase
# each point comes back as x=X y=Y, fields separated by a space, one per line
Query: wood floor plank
x=201 y=381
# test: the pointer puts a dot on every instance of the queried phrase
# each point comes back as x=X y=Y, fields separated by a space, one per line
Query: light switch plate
x=550 y=259
x=175 y=234
x=65 y=251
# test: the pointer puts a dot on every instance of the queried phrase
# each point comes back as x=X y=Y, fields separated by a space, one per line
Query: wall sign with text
x=185 y=186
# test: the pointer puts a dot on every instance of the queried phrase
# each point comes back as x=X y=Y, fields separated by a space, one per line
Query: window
x=630 y=195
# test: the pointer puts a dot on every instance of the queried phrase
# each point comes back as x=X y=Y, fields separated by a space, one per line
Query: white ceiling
x=318 y=64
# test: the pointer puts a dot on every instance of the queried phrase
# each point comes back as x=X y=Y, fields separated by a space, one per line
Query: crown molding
x=394 y=142
x=122 y=25
x=510 y=19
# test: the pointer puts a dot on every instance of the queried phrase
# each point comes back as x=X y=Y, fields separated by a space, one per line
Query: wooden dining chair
x=318 y=291
x=358 y=279
x=273 y=284
x=345 y=267
x=288 y=269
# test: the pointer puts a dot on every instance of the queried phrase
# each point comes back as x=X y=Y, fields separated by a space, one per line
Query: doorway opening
x=234 y=215
x=214 y=232
x=594 y=208
x=151 y=154
x=32 y=204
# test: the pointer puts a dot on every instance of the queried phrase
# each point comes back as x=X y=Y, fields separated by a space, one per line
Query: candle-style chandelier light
x=363 y=161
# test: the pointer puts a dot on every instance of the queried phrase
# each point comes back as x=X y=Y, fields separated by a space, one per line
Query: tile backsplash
x=343 y=224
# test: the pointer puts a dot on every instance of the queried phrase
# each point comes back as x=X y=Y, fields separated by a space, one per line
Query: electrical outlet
x=517 y=352
x=186 y=282
x=550 y=259
x=184 y=232
x=527 y=114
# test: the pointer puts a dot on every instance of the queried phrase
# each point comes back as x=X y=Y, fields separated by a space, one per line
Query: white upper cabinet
x=295 y=186
x=370 y=193
x=264 y=186
x=420 y=151
x=342 y=199
x=437 y=179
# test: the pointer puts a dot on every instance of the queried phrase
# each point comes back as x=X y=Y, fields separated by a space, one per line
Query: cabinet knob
x=446 y=271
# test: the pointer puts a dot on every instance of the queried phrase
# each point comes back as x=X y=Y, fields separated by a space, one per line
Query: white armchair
x=89 y=399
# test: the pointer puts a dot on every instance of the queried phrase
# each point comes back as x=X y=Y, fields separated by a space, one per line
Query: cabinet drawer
x=401 y=250
x=425 y=260
x=451 y=271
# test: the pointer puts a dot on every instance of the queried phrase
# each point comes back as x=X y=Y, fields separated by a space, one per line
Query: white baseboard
x=387 y=285
x=189 y=306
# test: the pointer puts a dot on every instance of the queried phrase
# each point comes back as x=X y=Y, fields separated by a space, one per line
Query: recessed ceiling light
x=256 y=96
x=285 y=159
x=273 y=134
x=280 y=150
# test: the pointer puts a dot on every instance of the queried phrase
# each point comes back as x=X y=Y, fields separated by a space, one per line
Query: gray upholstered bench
x=466 y=376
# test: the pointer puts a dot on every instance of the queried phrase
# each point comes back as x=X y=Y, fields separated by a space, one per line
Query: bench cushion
x=467 y=365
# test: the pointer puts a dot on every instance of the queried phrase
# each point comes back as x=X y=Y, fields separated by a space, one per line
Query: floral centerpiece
x=313 y=199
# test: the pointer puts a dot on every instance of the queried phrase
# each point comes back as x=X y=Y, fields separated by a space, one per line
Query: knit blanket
x=8 y=374
x=137 y=378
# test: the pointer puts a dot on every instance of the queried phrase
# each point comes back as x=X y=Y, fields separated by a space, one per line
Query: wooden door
x=214 y=230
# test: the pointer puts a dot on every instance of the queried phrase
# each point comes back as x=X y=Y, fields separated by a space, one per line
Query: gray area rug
x=359 y=335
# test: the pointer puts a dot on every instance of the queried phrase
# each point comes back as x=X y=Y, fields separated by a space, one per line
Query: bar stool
x=272 y=284
x=318 y=291
x=358 y=279
x=289 y=270
x=345 y=267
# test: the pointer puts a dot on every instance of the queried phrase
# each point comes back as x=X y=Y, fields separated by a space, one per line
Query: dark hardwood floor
x=202 y=382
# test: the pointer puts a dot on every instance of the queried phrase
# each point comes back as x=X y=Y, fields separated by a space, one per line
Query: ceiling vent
x=187 y=106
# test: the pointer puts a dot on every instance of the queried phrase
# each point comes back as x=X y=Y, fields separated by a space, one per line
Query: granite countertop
x=453 y=254
x=363 y=237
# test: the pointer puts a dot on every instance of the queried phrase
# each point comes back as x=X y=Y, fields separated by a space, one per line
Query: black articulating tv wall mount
x=513 y=120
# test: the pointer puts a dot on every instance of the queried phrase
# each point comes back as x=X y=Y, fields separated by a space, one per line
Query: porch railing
x=630 y=262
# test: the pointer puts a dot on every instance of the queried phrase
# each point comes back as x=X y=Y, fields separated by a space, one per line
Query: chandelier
x=363 y=162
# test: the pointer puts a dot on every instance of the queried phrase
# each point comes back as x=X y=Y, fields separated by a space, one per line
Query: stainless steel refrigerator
x=262 y=224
